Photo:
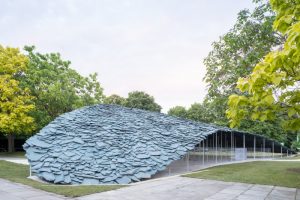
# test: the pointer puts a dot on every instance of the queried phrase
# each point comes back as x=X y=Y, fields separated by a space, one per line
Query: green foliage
x=178 y=111
x=267 y=128
x=273 y=86
x=115 y=99
x=296 y=145
x=56 y=87
x=15 y=102
x=197 y=112
x=237 y=52
x=142 y=100
x=235 y=55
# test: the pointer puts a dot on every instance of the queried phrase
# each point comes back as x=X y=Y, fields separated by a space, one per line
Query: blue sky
x=156 y=46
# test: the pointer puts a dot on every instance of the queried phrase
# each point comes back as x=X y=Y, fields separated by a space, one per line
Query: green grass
x=277 y=173
x=18 y=154
x=19 y=173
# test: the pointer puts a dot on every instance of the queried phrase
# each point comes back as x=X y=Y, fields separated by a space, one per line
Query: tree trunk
x=11 y=143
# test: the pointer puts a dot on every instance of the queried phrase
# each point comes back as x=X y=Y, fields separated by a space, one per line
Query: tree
x=89 y=91
x=273 y=86
x=197 y=112
x=178 y=111
x=115 y=99
x=56 y=87
x=142 y=100
x=15 y=102
x=235 y=55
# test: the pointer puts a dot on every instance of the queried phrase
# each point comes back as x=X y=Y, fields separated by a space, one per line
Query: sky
x=156 y=46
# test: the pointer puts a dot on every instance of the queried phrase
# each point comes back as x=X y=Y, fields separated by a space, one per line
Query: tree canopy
x=115 y=99
x=142 y=100
x=178 y=111
x=56 y=87
x=273 y=86
x=15 y=102
x=235 y=55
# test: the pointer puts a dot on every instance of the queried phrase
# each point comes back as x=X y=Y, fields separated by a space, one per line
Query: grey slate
x=111 y=144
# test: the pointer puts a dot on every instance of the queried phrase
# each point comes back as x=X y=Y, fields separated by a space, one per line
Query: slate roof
x=107 y=144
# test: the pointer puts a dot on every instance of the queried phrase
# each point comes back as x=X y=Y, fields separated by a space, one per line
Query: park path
x=181 y=188
x=16 y=191
x=170 y=188
x=17 y=160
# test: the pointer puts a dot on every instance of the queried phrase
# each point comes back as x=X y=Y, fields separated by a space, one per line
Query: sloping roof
x=111 y=144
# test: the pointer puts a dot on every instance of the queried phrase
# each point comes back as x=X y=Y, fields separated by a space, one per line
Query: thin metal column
x=203 y=152
x=216 y=149
x=264 y=146
x=226 y=146
x=207 y=149
x=254 y=147
x=188 y=161
x=273 y=149
x=281 y=151
x=244 y=144
x=244 y=141
x=221 y=147
x=213 y=147
x=231 y=144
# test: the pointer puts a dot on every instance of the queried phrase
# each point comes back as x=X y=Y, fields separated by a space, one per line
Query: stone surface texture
x=110 y=144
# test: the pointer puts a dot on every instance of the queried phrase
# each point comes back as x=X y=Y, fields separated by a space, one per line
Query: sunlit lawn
x=279 y=173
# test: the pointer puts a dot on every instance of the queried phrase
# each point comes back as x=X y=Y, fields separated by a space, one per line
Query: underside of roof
x=107 y=144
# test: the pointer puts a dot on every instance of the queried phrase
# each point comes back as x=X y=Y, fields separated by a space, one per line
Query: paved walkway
x=15 y=191
x=171 y=188
x=23 y=161
x=181 y=188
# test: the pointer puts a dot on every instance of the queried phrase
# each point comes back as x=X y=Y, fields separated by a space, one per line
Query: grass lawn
x=277 y=173
x=18 y=154
x=19 y=173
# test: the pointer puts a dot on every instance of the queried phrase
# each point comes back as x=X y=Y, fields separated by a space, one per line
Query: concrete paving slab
x=9 y=196
x=285 y=189
x=16 y=191
x=283 y=193
x=229 y=190
x=222 y=196
x=171 y=188
x=249 y=197
x=262 y=187
x=257 y=193
x=275 y=197
x=298 y=194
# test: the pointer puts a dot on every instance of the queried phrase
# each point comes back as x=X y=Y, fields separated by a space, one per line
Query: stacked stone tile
x=109 y=144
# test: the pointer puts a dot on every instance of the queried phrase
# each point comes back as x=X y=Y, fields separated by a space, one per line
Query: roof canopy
x=111 y=144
